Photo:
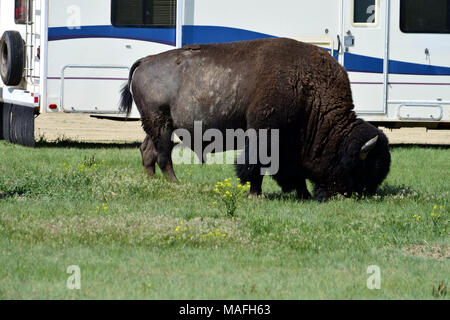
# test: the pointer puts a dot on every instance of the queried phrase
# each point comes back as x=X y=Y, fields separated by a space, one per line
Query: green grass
x=92 y=205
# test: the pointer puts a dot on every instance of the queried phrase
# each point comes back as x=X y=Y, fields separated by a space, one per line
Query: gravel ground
x=82 y=127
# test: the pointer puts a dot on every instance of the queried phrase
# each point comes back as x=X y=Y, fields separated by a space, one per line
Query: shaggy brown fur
x=282 y=84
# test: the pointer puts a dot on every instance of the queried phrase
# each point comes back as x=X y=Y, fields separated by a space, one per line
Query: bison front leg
x=149 y=155
x=248 y=171
x=302 y=190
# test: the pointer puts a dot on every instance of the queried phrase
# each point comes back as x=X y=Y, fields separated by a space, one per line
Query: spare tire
x=12 y=57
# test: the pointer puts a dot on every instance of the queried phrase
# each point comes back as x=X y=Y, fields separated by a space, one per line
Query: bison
x=283 y=84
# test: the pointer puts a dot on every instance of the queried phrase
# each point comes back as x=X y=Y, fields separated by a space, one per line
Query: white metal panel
x=283 y=18
x=420 y=112
x=89 y=12
x=99 y=88
x=92 y=89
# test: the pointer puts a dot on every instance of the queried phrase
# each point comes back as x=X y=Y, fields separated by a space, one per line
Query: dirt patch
x=417 y=136
x=434 y=252
x=82 y=127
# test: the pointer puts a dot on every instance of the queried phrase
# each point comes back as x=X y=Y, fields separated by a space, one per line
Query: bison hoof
x=304 y=196
x=321 y=196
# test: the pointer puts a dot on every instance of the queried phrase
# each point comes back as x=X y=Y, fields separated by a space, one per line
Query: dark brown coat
x=282 y=84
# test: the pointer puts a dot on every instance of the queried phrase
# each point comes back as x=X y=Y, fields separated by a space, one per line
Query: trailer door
x=419 y=69
x=363 y=40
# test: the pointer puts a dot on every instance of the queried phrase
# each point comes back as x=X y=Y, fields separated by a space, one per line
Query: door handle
x=339 y=44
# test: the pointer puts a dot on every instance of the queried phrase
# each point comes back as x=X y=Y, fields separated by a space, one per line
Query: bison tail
x=126 y=99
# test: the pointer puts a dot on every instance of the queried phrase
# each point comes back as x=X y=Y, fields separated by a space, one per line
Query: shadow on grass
x=68 y=143
x=385 y=191
x=421 y=146
x=290 y=196
x=388 y=190
x=12 y=194
x=281 y=196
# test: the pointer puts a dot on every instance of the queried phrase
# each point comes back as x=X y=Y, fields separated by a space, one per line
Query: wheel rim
x=4 y=59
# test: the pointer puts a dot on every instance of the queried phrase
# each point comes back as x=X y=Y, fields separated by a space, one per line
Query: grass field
x=92 y=205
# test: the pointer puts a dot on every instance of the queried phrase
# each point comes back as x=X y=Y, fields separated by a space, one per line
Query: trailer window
x=421 y=16
x=365 y=12
x=20 y=11
x=143 y=13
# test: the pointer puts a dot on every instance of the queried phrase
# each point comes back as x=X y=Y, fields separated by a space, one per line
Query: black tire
x=12 y=57
x=1 y=121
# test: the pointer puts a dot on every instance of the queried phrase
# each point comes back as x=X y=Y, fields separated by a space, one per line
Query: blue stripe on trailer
x=191 y=34
x=359 y=63
x=402 y=67
x=158 y=35
x=214 y=34
x=217 y=34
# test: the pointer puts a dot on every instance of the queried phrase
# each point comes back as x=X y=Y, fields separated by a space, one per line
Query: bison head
x=362 y=163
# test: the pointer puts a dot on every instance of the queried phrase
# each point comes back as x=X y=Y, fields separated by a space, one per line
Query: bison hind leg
x=158 y=125
x=149 y=155
x=164 y=147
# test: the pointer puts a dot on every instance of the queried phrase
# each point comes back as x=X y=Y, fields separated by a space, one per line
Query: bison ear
x=367 y=148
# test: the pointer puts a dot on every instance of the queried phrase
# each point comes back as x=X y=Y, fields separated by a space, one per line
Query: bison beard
x=262 y=84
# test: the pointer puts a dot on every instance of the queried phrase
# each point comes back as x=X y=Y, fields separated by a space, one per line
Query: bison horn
x=367 y=148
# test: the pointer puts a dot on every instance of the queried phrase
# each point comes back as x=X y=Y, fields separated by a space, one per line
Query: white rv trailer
x=76 y=54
